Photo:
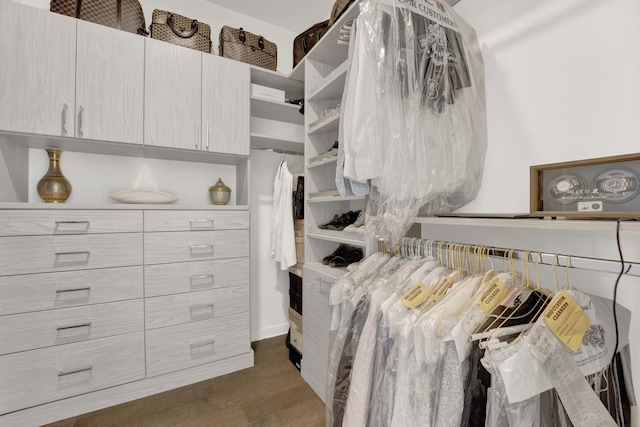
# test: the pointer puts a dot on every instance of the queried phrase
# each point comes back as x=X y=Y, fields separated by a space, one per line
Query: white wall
x=562 y=83
x=216 y=17
x=269 y=284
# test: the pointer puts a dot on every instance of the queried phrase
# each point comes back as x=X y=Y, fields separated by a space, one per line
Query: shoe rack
x=325 y=69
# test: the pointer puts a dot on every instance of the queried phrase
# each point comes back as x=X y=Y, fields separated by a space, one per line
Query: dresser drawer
x=20 y=332
x=183 y=346
x=195 y=220
x=40 y=254
x=160 y=248
x=166 y=279
x=34 y=292
x=176 y=309
x=38 y=376
x=48 y=222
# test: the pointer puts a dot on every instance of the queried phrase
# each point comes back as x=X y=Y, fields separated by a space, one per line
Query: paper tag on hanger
x=567 y=320
x=415 y=296
x=440 y=290
x=493 y=295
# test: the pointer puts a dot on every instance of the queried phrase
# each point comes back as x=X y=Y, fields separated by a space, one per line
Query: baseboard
x=270 y=332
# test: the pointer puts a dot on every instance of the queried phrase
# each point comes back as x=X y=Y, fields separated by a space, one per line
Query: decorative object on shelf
x=54 y=187
x=602 y=187
x=177 y=29
x=146 y=196
x=126 y=15
x=247 y=47
x=219 y=193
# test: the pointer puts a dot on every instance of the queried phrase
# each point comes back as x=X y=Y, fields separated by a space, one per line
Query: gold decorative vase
x=54 y=187
x=219 y=193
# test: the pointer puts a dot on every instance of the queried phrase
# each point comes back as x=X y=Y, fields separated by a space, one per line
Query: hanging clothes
x=393 y=364
x=283 y=242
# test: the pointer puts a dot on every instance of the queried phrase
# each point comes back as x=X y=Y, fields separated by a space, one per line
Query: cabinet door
x=37 y=76
x=172 y=95
x=109 y=84
x=225 y=105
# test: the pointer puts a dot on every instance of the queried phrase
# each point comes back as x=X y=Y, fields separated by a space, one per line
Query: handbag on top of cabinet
x=339 y=7
x=247 y=47
x=177 y=29
x=124 y=15
x=308 y=39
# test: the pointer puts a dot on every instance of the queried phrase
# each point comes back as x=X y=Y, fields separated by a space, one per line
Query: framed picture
x=606 y=187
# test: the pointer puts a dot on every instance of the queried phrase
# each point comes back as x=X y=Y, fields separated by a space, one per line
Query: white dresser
x=102 y=306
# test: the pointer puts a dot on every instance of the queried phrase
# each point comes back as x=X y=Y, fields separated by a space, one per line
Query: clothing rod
x=426 y=246
x=278 y=150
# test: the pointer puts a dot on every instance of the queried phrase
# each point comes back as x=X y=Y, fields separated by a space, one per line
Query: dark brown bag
x=177 y=29
x=339 y=7
x=124 y=15
x=246 y=47
x=308 y=39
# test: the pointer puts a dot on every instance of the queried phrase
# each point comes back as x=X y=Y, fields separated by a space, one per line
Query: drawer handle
x=193 y=222
x=202 y=343
x=75 y=371
x=74 y=253
x=80 y=325
x=201 y=306
x=73 y=222
x=60 y=291
x=204 y=276
x=195 y=247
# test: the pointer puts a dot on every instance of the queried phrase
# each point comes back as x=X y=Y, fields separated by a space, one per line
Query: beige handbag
x=177 y=29
x=339 y=7
x=244 y=46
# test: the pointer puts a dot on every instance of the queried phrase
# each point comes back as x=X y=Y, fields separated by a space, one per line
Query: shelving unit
x=275 y=125
x=324 y=68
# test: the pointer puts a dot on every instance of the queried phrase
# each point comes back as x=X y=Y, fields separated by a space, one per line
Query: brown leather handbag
x=303 y=43
x=124 y=15
x=339 y=7
x=241 y=45
x=177 y=29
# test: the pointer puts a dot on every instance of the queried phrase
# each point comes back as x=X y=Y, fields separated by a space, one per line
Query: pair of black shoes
x=338 y=223
x=343 y=256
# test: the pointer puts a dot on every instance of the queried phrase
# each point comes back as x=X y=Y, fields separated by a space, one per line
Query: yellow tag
x=491 y=298
x=415 y=296
x=440 y=290
x=567 y=320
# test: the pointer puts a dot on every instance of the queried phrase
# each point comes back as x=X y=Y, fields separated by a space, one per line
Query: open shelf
x=334 y=199
x=346 y=237
x=326 y=270
x=332 y=86
x=325 y=125
x=333 y=159
x=265 y=142
x=274 y=110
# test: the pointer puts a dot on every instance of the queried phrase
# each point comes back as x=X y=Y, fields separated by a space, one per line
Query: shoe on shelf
x=338 y=223
x=358 y=224
x=342 y=249
x=352 y=255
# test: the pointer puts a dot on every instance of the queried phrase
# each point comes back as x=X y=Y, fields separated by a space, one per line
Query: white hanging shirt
x=283 y=241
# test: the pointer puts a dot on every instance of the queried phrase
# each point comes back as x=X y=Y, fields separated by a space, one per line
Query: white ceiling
x=293 y=15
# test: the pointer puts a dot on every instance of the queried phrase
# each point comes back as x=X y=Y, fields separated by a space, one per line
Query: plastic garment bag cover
x=414 y=112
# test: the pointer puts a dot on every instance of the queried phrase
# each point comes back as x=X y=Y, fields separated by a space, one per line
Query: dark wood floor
x=272 y=393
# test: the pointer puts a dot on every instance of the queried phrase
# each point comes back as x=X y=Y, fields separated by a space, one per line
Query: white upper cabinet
x=225 y=105
x=109 y=84
x=173 y=93
x=37 y=71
